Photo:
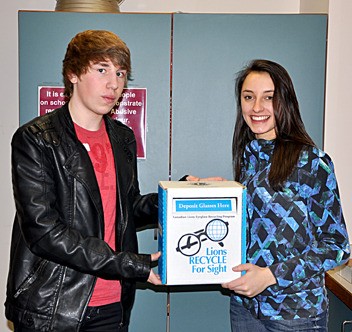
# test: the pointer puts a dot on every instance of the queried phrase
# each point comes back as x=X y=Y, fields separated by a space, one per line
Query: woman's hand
x=213 y=178
x=153 y=277
x=253 y=282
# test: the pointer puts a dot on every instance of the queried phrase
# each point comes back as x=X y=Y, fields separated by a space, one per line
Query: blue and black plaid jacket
x=298 y=232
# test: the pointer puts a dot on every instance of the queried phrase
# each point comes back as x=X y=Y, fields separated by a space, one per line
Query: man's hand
x=153 y=277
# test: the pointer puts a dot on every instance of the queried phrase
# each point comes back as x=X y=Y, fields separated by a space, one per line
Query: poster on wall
x=130 y=109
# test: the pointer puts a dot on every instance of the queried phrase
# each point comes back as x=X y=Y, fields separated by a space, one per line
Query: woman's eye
x=247 y=97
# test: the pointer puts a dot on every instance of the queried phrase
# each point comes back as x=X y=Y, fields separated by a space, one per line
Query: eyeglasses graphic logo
x=216 y=230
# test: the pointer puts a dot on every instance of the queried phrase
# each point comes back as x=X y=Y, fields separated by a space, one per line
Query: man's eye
x=101 y=70
x=120 y=74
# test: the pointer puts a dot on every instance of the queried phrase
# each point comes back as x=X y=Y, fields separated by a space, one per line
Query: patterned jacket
x=298 y=232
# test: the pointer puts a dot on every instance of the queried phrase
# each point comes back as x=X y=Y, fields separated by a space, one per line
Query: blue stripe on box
x=162 y=213
x=244 y=224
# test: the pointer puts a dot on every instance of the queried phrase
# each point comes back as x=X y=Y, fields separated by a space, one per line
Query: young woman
x=295 y=226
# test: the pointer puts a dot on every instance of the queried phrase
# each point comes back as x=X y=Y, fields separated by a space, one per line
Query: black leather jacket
x=57 y=251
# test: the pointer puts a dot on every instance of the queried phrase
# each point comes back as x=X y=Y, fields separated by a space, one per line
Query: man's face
x=97 y=91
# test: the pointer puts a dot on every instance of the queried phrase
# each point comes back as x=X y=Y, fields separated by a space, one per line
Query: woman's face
x=257 y=104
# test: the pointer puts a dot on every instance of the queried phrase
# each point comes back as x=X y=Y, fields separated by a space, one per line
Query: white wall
x=338 y=110
x=212 y=6
x=9 y=119
x=314 y=6
x=338 y=117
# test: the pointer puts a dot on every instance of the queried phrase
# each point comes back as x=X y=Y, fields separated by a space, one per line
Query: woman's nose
x=258 y=105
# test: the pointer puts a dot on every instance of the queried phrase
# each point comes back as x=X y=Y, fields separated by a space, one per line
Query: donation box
x=202 y=228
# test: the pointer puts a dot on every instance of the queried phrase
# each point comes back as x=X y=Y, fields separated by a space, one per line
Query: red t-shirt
x=99 y=149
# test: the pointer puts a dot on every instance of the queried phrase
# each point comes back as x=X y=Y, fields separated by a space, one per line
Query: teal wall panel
x=208 y=50
x=43 y=38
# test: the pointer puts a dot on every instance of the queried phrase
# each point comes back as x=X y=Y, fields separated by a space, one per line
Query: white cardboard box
x=202 y=231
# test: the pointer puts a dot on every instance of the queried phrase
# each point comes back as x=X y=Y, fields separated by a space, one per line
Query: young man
x=74 y=260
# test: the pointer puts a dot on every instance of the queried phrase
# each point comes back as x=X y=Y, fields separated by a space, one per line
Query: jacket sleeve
x=42 y=225
x=146 y=210
x=330 y=247
x=145 y=207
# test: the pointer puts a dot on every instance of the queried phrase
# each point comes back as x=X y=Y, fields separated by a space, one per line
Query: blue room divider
x=187 y=63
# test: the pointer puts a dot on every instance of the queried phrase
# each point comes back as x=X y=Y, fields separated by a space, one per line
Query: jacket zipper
x=123 y=230
x=31 y=279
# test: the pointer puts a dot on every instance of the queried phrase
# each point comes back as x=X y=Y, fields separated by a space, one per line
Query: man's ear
x=72 y=77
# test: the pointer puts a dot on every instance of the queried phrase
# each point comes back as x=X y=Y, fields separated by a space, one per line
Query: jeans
x=103 y=319
x=96 y=319
x=243 y=321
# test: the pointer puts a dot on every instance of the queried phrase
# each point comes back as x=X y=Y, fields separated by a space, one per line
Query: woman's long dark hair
x=291 y=135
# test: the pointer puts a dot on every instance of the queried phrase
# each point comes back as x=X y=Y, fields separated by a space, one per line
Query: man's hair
x=93 y=46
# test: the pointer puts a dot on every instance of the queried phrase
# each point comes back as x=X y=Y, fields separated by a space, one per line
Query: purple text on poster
x=130 y=110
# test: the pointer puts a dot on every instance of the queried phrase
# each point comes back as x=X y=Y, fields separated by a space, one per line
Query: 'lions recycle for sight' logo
x=216 y=230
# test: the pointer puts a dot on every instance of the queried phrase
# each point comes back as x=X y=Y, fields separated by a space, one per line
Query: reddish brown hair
x=93 y=46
